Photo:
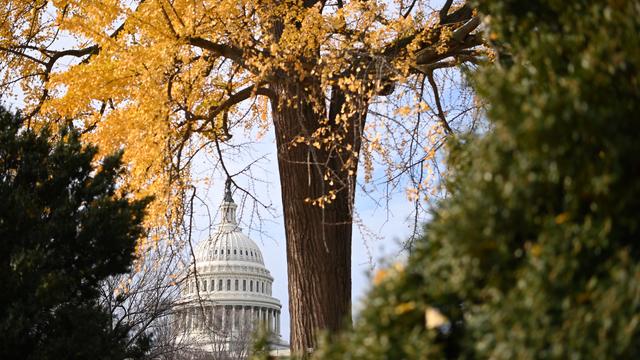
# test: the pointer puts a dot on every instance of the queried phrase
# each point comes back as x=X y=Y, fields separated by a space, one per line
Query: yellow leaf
x=433 y=318
x=404 y=111
x=405 y=308
x=536 y=250
x=562 y=218
x=380 y=276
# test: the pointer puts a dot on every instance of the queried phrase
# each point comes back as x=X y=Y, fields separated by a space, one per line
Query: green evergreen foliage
x=535 y=254
x=260 y=345
x=63 y=229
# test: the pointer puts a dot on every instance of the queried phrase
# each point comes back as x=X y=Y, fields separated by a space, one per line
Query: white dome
x=228 y=243
x=229 y=290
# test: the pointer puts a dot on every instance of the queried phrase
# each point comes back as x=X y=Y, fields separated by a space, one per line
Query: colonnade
x=231 y=318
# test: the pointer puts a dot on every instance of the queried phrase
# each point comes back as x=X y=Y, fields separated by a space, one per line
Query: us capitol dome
x=229 y=296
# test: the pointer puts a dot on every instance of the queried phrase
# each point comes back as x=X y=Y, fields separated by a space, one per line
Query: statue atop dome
x=228 y=206
x=227 y=190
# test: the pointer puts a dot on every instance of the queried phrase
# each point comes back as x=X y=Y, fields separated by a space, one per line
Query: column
x=233 y=318
x=257 y=315
x=243 y=322
x=224 y=317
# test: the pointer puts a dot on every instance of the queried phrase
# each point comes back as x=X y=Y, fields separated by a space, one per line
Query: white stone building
x=229 y=296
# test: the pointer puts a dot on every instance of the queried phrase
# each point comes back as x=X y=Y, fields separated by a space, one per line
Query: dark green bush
x=64 y=228
x=535 y=254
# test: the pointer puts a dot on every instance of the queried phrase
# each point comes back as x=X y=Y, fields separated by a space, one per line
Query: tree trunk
x=318 y=239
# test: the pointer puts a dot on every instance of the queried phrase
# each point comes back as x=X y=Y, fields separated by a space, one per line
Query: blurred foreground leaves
x=535 y=254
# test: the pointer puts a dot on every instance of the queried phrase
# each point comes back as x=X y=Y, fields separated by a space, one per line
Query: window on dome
x=204 y=288
x=228 y=285
x=221 y=251
x=244 y=285
x=240 y=252
x=251 y=285
x=212 y=285
x=220 y=285
x=263 y=287
x=237 y=284
x=235 y=252
x=215 y=252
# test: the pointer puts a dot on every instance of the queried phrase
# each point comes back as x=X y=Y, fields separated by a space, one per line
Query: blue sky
x=392 y=222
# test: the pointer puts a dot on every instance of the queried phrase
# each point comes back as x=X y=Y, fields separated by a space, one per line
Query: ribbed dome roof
x=228 y=243
x=229 y=246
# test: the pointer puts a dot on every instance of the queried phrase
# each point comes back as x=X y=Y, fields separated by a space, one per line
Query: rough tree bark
x=318 y=238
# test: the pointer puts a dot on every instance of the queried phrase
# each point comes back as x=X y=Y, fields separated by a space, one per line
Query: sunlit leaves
x=159 y=77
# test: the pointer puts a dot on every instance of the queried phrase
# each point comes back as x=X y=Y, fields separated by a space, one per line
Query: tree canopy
x=534 y=254
x=64 y=227
x=150 y=74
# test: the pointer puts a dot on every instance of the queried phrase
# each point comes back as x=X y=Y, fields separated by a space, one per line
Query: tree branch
x=232 y=100
x=408 y=11
x=444 y=12
x=461 y=33
x=463 y=13
x=237 y=98
x=430 y=55
x=436 y=96
x=227 y=51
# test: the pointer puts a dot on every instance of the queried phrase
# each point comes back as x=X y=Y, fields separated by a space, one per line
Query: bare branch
x=444 y=12
x=408 y=11
x=436 y=96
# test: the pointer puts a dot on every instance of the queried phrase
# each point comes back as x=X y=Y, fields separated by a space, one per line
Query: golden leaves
x=561 y=218
x=148 y=89
x=404 y=308
x=380 y=276
x=323 y=200
x=383 y=274
x=404 y=111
